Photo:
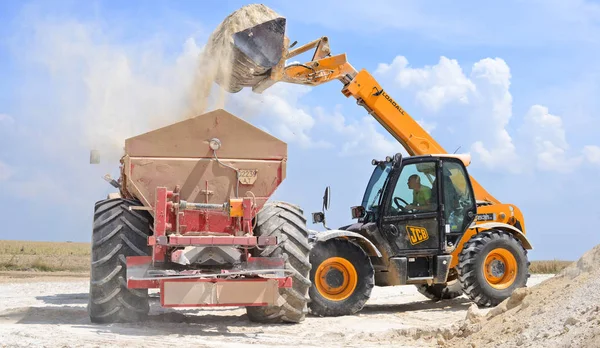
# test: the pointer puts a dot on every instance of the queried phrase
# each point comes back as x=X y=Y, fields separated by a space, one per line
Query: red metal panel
x=265 y=262
x=245 y=240
x=160 y=222
x=137 y=266
x=281 y=282
x=138 y=260
x=143 y=284
x=207 y=221
x=248 y=215
x=285 y=282
x=221 y=240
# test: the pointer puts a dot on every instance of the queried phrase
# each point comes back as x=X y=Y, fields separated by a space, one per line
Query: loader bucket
x=246 y=46
x=263 y=43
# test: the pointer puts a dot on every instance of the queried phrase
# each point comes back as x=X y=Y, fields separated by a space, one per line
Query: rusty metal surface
x=201 y=180
x=179 y=155
x=189 y=139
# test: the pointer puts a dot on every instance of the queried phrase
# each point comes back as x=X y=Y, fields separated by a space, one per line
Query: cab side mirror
x=319 y=217
x=326 y=198
x=397 y=160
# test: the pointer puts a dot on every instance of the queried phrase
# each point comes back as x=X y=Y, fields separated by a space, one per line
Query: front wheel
x=342 y=278
x=491 y=266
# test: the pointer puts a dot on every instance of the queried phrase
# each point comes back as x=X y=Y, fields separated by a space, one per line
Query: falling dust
x=218 y=62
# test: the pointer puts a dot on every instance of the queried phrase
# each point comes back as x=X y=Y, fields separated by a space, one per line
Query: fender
x=364 y=242
x=508 y=228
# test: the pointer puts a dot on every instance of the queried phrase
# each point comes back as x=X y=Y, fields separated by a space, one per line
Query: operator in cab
x=421 y=194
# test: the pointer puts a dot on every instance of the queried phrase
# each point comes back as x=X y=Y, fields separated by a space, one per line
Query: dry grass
x=75 y=257
x=548 y=267
x=44 y=256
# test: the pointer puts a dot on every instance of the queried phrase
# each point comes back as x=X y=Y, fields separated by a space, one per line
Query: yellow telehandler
x=423 y=219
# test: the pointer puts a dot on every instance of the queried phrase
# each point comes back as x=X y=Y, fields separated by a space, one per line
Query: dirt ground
x=50 y=311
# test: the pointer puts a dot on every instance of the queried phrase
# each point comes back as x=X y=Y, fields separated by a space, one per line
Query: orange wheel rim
x=500 y=268
x=336 y=279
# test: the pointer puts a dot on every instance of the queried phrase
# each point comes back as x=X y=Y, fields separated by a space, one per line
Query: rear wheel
x=342 y=276
x=117 y=233
x=287 y=223
x=491 y=266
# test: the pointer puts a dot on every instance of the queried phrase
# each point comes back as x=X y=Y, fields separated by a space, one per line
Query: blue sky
x=513 y=85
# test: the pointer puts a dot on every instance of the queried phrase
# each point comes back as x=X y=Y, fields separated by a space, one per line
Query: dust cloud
x=97 y=89
x=217 y=63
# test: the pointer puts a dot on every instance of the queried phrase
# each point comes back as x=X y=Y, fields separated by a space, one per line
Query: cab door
x=459 y=205
x=412 y=220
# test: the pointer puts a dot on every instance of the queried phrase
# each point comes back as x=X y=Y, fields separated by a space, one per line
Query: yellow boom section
x=399 y=123
x=368 y=93
x=251 y=45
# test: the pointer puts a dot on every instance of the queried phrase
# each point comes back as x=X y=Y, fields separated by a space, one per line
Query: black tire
x=438 y=292
x=117 y=233
x=320 y=304
x=471 y=267
x=287 y=223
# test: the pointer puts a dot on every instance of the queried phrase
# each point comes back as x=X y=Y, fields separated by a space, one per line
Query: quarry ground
x=51 y=311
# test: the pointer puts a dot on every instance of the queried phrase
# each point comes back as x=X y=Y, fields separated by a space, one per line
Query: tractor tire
x=117 y=233
x=491 y=266
x=287 y=223
x=438 y=292
x=342 y=278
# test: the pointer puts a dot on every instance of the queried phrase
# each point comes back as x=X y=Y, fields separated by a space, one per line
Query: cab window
x=457 y=196
x=415 y=189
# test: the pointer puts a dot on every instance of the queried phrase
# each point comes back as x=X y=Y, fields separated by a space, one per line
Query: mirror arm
x=325 y=223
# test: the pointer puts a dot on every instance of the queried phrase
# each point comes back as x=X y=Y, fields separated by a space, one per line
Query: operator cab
x=421 y=207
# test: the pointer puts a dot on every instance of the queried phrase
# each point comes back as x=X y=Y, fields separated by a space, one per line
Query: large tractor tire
x=491 y=266
x=342 y=278
x=117 y=233
x=287 y=223
x=438 y=292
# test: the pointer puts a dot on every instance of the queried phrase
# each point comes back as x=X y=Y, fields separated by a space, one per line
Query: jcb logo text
x=417 y=235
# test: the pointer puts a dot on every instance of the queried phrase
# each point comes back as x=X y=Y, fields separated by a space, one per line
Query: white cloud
x=546 y=134
x=592 y=153
x=428 y=126
x=101 y=90
x=483 y=110
x=4 y=118
x=5 y=171
x=280 y=111
x=360 y=137
x=574 y=21
x=437 y=85
x=492 y=114
x=485 y=93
